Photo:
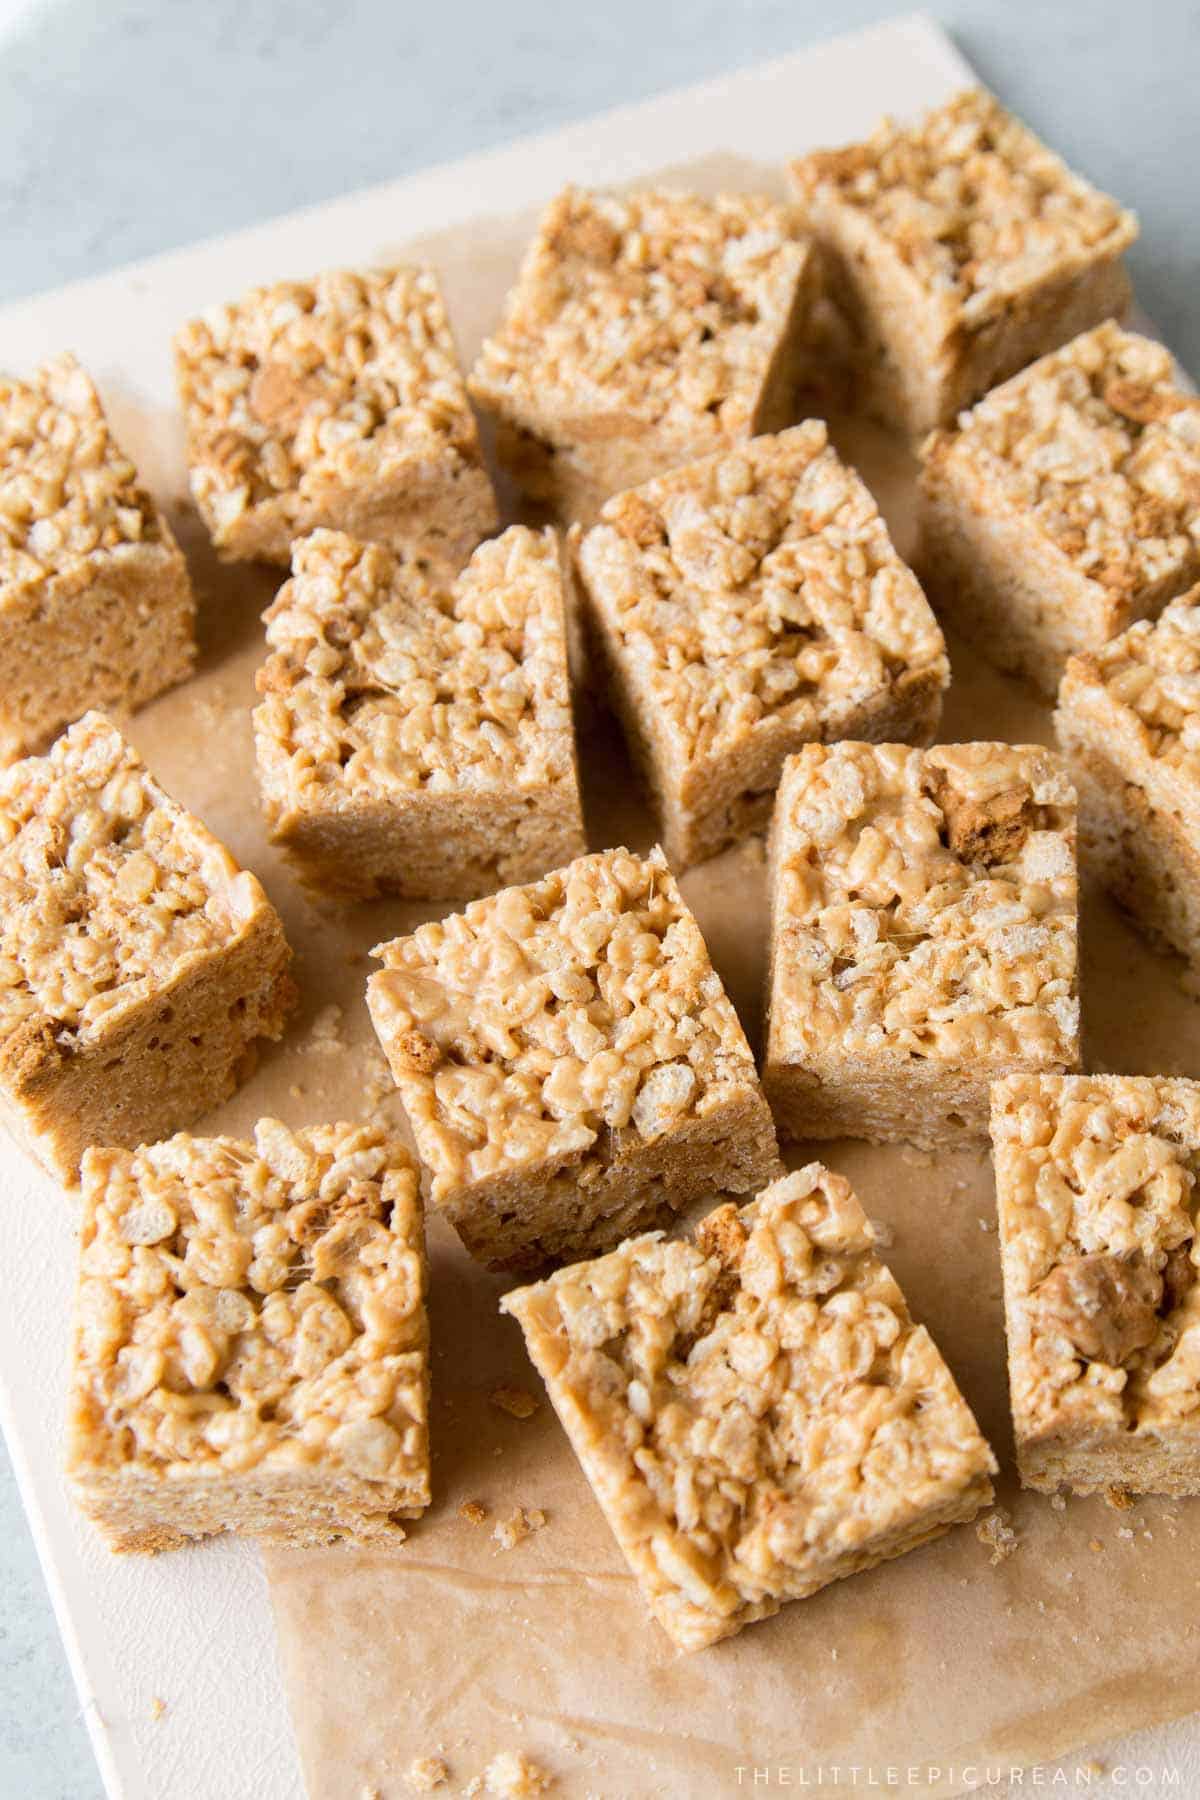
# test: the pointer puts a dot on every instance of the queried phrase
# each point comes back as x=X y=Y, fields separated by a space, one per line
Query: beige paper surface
x=451 y=1645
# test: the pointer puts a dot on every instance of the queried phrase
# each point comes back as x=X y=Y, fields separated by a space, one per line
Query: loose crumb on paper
x=425 y=1773
x=158 y=1708
x=326 y=1035
x=473 y=1511
x=996 y=1533
x=518 y=1525
x=517 y=1402
x=511 y=1776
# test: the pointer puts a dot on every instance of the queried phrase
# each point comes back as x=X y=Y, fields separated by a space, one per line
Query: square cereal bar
x=754 y=1407
x=924 y=936
x=1128 y=720
x=415 y=732
x=334 y=402
x=571 y=1067
x=1095 y=1186
x=251 y=1351
x=1065 y=506
x=746 y=605
x=96 y=607
x=958 y=249
x=644 y=331
x=138 y=962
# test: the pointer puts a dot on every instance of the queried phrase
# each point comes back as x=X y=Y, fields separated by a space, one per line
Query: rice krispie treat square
x=924 y=937
x=644 y=330
x=415 y=733
x=958 y=249
x=139 y=963
x=743 y=606
x=754 y=1407
x=1065 y=506
x=570 y=1064
x=251 y=1351
x=96 y=606
x=1128 y=720
x=335 y=402
x=1095 y=1187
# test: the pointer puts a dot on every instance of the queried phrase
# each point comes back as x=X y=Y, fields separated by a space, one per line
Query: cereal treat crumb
x=251 y=1352
x=644 y=331
x=571 y=1067
x=958 y=249
x=1129 y=721
x=923 y=938
x=1066 y=505
x=1095 y=1183
x=425 y=1773
x=996 y=1533
x=415 y=733
x=746 y=605
x=517 y=1525
x=513 y=1776
x=96 y=607
x=473 y=1512
x=754 y=1407
x=519 y=1403
x=138 y=963
x=325 y=1037
x=334 y=402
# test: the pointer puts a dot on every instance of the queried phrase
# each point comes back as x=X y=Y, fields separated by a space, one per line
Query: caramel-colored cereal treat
x=415 y=733
x=1065 y=506
x=958 y=250
x=924 y=937
x=1095 y=1185
x=644 y=331
x=251 y=1351
x=571 y=1067
x=335 y=402
x=138 y=963
x=754 y=1407
x=746 y=605
x=96 y=607
x=1129 y=721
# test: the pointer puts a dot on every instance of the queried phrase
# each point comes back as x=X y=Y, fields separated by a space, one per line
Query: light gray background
x=130 y=128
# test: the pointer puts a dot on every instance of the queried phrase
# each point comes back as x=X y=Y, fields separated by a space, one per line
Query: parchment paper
x=941 y=1662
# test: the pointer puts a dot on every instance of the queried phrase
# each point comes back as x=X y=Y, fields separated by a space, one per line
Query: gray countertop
x=127 y=128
